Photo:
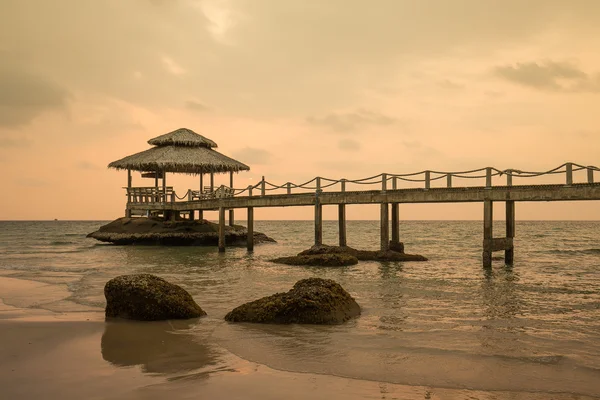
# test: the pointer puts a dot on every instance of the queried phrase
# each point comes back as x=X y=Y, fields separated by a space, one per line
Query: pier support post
x=395 y=223
x=231 y=220
x=318 y=221
x=509 y=253
x=221 y=229
x=342 y=224
x=488 y=215
x=192 y=215
x=385 y=227
x=200 y=215
x=250 y=238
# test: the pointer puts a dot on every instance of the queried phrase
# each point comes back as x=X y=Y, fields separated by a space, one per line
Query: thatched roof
x=174 y=153
x=182 y=137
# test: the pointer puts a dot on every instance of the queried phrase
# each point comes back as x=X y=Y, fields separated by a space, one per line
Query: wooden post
x=590 y=173
x=250 y=238
x=212 y=182
x=343 y=182
x=488 y=215
x=509 y=176
x=201 y=183
x=385 y=227
x=569 y=174
x=318 y=220
x=156 y=174
x=449 y=180
x=289 y=188
x=318 y=183
x=342 y=224
x=231 y=212
x=192 y=215
x=509 y=253
x=200 y=215
x=221 y=229
x=231 y=217
x=427 y=179
x=164 y=188
x=262 y=186
x=383 y=182
x=488 y=178
x=127 y=209
x=395 y=223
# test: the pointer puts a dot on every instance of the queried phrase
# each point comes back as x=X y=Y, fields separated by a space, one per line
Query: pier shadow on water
x=158 y=347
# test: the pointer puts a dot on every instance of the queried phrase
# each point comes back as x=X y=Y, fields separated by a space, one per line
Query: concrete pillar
x=488 y=215
x=385 y=227
x=221 y=229
x=342 y=224
x=250 y=228
x=395 y=223
x=569 y=174
x=192 y=215
x=509 y=253
x=590 y=175
x=200 y=215
x=231 y=221
x=318 y=221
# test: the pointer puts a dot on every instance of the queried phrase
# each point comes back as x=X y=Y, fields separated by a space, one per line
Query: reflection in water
x=500 y=296
x=162 y=347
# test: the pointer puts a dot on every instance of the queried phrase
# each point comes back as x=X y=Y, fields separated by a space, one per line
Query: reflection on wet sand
x=161 y=347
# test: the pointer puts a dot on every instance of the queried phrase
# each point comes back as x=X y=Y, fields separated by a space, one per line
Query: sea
x=533 y=327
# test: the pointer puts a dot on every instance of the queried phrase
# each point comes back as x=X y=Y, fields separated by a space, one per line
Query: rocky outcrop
x=146 y=297
x=343 y=255
x=155 y=231
x=310 y=301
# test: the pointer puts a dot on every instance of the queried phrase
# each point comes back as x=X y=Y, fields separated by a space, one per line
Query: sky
x=294 y=89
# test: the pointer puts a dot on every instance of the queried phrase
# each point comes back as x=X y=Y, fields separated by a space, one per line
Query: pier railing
x=426 y=179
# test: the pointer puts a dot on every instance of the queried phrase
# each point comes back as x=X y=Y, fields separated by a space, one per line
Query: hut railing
x=150 y=194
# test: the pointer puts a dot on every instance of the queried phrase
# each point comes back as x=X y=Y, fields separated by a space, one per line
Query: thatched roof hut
x=180 y=151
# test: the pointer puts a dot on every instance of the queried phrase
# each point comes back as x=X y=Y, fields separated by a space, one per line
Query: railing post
x=449 y=180
x=289 y=188
x=173 y=197
x=262 y=186
x=394 y=183
x=384 y=182
x=343 y=182
x=189 y=195
x=427 y=179
x=569 y=174
x=250 y=190
x=590 y=173
x=509 y=176
x=318 y=183
x=488 y=178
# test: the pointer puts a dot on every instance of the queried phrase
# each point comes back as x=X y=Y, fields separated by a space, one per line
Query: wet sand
x=80 y=356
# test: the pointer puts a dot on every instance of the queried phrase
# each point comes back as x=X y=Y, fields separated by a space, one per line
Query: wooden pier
x=320 y=192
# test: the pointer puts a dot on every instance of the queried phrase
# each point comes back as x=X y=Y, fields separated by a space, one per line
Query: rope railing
x=318 y=183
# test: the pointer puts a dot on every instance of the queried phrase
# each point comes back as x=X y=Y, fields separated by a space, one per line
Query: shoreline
x=78 y=355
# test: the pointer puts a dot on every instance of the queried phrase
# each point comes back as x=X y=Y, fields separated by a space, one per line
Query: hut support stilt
x=127 y=209
x=212 y=182
x=201 y=183
x=221 y=229
x=509 y=253
x=250 y=229
x=342 y=224
x=488 y=228
x=385 y=227
x=395 y=223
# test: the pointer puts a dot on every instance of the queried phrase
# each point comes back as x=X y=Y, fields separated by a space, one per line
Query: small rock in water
x=324 y=260
x=310 y=301
x=146 y=297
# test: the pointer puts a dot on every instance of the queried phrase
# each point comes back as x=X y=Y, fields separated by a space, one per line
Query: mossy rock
x=146 y=297
x=310 y=301
x=325 y=260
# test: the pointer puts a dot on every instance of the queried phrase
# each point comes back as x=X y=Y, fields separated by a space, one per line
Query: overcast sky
x=295 y=89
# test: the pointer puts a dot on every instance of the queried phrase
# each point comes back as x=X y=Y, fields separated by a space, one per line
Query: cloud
x=24 y=96
x=549 y=76
x=195 y=106
x=349 y=122
x=349 y=145
x=251 y=155
x=86 y=165
x=7 y=142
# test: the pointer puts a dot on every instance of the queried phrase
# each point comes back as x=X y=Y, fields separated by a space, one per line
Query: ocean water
x=447 y=323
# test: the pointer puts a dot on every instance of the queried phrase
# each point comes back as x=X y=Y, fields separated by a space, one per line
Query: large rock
x=323 y=260
x=146 y=297
x=327 y=256
x=310 y=301
x=155 y=231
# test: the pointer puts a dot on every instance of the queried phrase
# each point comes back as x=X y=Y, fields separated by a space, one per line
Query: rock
x=324 y=255
x=146 y=297
x=325 y=260
x=155 y=231
x=397 y=246
x=310 y=301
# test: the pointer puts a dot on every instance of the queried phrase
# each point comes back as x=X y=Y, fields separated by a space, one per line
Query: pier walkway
x=486 y=185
